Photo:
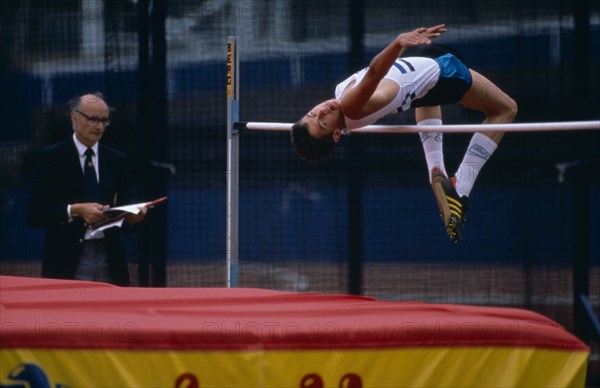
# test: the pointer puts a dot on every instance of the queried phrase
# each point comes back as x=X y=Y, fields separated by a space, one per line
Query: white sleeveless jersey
x=414 y=75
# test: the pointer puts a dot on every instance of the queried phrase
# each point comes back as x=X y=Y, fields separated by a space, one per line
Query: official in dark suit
x=74 y=181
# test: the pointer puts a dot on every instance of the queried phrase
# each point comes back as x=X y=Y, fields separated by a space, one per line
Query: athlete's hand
x=420 y=35
x=435 y=31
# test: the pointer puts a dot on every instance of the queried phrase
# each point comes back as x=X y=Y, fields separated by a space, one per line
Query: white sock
x=479 y=151
x=433 y=147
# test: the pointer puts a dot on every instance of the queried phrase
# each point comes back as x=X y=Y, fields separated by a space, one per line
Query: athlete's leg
x=452 y=194
x=498 y=107
x=433 y=147
x=489 y=99
x=432 y=141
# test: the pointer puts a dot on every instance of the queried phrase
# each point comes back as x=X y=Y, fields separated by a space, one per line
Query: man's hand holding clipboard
x=130 y=214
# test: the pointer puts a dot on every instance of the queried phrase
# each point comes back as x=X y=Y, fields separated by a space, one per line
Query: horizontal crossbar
x=467 y=128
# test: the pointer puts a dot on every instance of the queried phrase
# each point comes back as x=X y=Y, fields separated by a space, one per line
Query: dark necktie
x=92 y=189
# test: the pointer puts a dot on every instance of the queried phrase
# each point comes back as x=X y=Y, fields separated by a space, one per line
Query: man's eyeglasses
x=95 y=120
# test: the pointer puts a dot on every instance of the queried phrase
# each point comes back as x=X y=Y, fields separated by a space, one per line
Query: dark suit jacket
x=58 y=182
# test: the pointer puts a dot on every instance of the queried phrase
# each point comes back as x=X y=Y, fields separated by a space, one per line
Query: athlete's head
x=314 y=136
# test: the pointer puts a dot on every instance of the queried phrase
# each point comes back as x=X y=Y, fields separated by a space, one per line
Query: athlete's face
x=324 y=119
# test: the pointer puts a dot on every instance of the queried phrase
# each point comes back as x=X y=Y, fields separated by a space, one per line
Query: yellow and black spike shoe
x=458 y=207
x=453 y=209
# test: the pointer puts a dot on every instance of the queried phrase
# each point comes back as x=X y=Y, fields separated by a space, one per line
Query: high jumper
x=411 y=72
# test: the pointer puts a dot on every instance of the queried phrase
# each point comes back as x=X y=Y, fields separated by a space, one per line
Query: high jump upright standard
x=232 y=162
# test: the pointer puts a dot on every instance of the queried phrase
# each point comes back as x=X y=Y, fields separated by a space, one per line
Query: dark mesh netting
x=363 y=221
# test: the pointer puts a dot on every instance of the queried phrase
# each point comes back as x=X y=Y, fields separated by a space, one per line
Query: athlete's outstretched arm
x=354 y=100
